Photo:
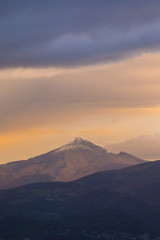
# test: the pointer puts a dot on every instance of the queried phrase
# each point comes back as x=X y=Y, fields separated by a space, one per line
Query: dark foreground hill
x=84 y=207
x=117 y=200
x=141 y=181
x=69 y=162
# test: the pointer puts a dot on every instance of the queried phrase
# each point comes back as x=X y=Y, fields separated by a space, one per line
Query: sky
x=75 y=68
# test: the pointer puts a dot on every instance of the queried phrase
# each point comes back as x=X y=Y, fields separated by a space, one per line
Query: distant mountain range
x=69 y=162
x=115 y=200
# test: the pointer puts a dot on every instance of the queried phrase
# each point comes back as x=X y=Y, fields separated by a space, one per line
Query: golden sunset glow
x=109 y=101
x=115 y=102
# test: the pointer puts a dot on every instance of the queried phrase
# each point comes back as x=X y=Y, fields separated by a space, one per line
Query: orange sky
x=44 y=108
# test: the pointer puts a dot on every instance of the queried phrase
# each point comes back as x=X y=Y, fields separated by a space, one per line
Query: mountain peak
x=79 y=143
x=123 y=153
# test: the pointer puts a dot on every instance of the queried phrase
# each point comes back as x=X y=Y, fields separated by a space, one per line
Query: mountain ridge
x=71 y=161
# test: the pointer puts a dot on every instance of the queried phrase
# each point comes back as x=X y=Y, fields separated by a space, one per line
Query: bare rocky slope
x=69 y=162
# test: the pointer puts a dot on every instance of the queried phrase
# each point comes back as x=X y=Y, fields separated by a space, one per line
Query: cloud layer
x=62 y=33
x=30 y=97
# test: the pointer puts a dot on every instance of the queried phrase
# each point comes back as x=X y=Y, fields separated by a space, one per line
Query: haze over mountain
x=69 y=162
x=146 y=146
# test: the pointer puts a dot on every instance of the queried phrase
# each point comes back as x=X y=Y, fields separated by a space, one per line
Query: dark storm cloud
x=52 y=32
